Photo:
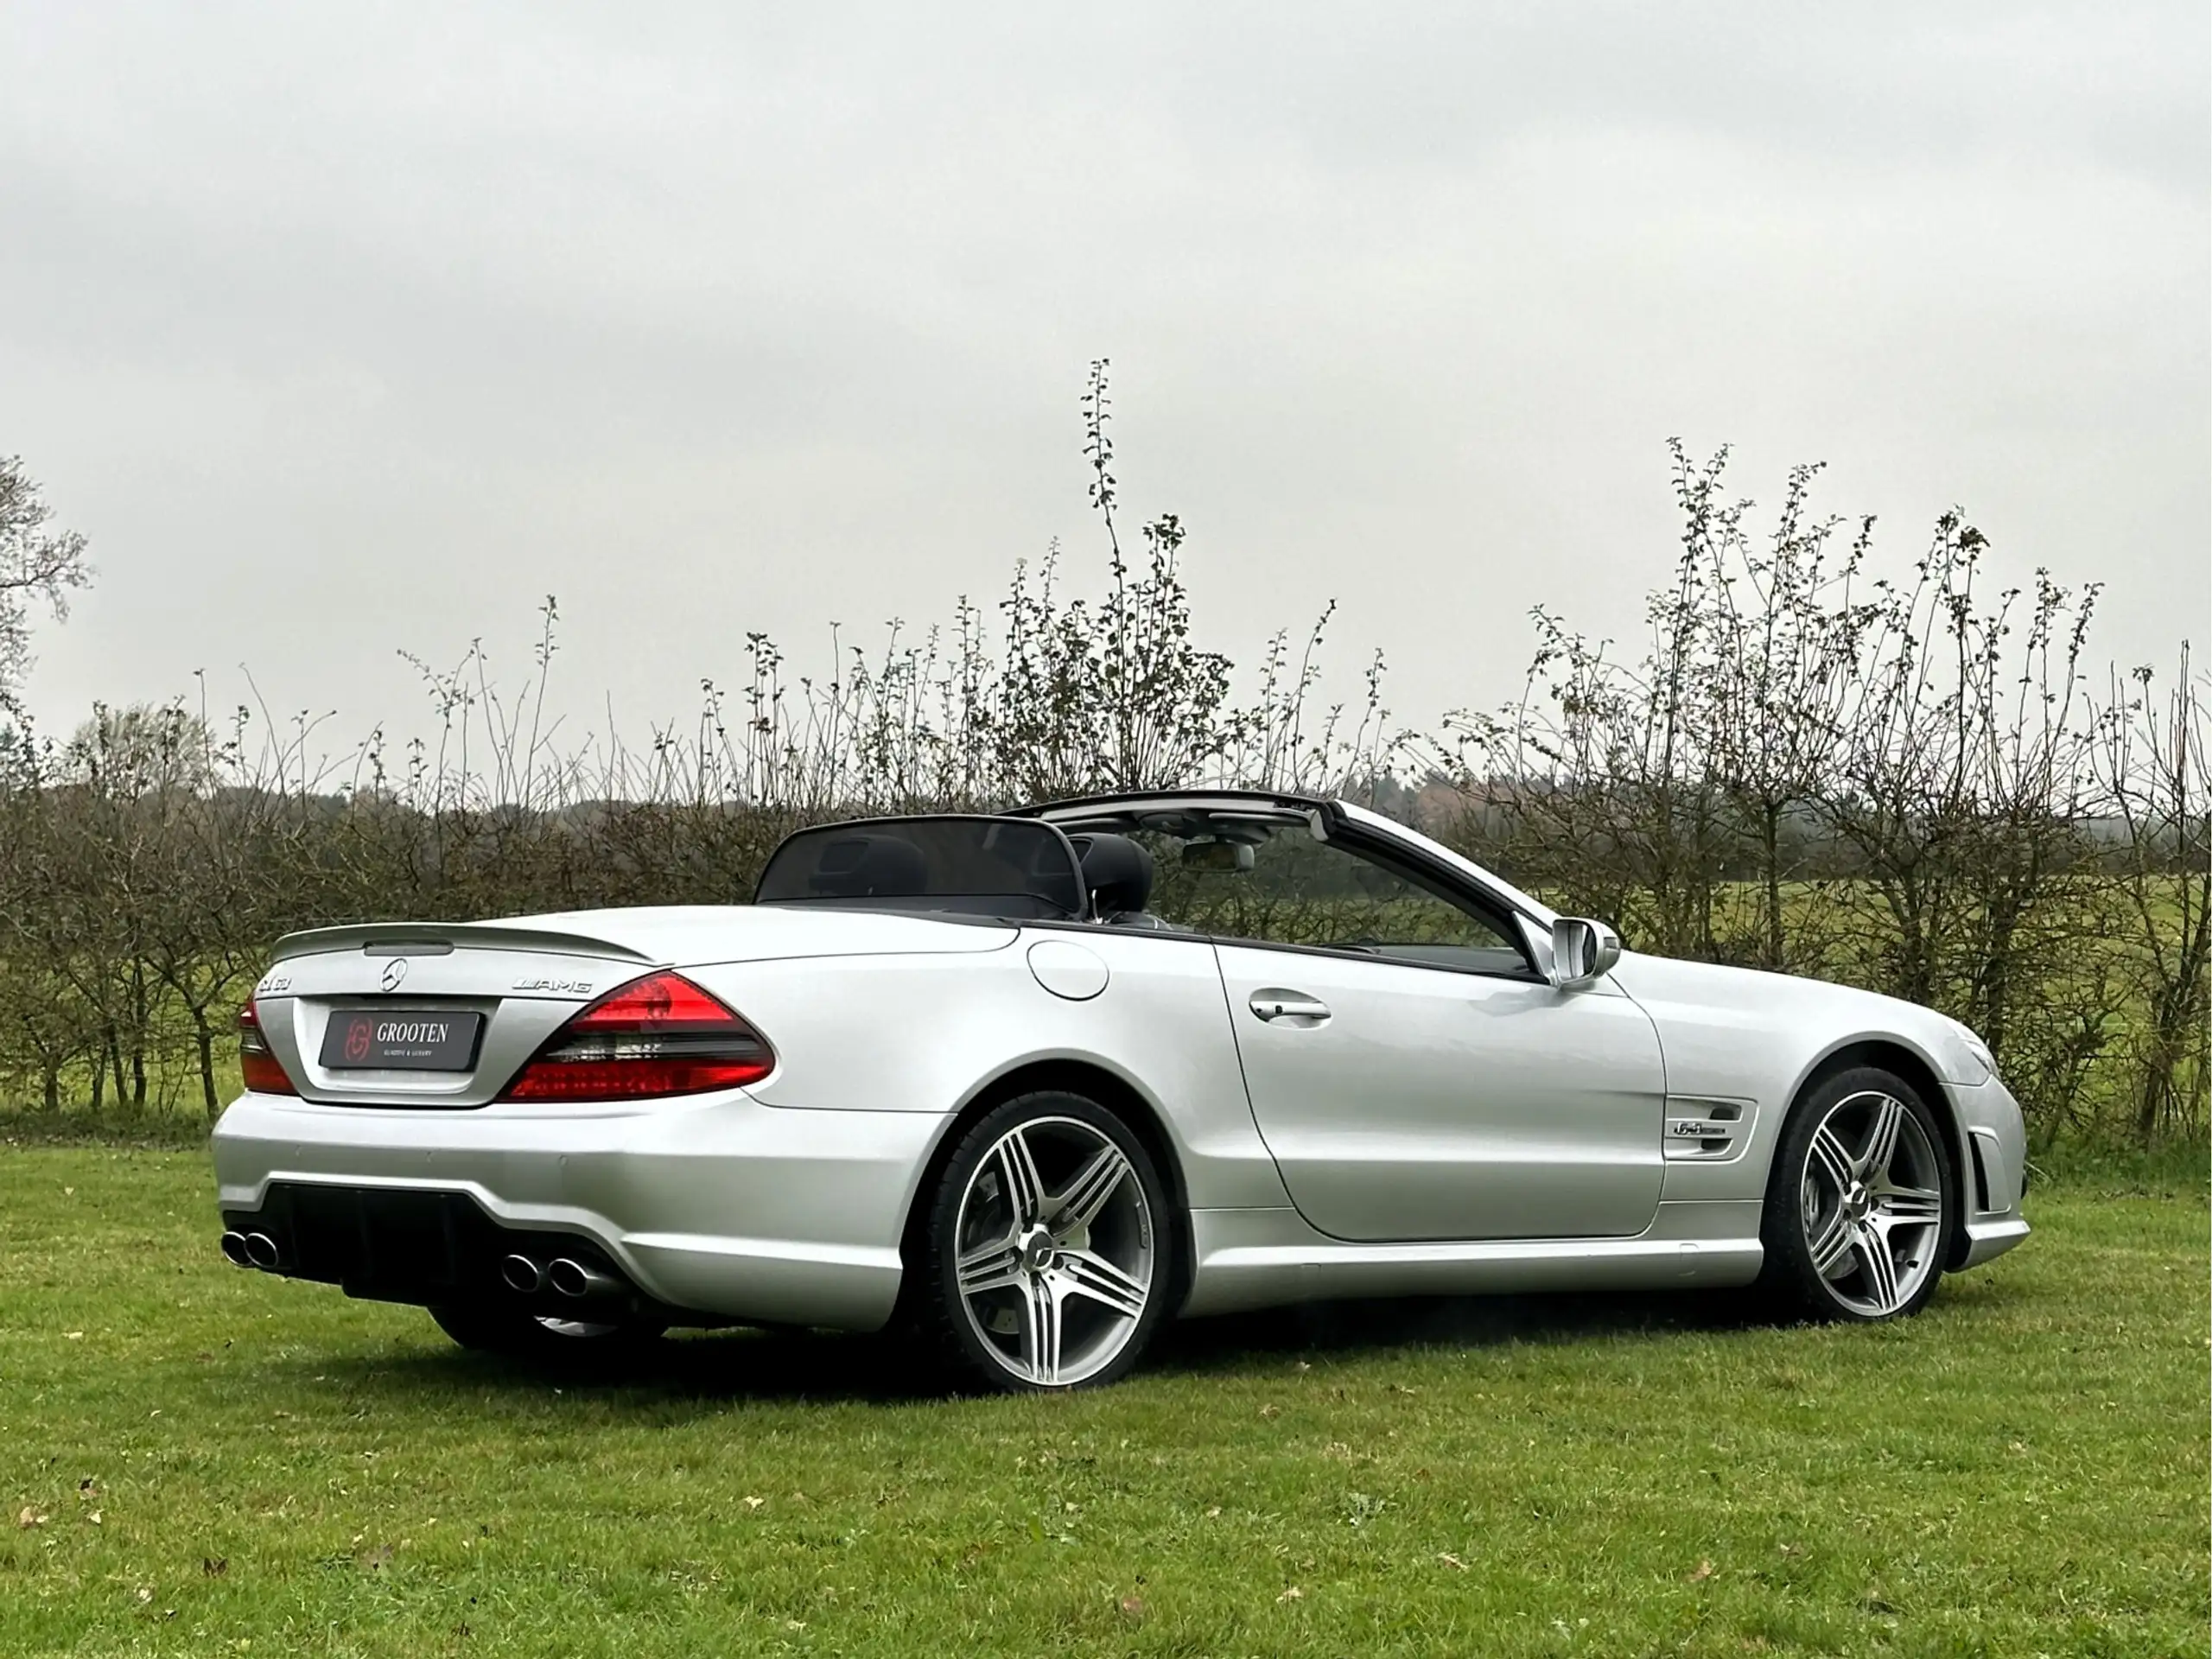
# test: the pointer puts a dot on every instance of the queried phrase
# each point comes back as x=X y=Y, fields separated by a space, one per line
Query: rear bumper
x=412 y=1244
x=715 y=1205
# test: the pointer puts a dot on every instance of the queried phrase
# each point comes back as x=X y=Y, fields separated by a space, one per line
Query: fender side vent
x=1699 y=1131
x=1980 y=1175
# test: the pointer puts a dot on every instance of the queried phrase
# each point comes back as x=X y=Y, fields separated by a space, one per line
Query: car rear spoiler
x=438 y=939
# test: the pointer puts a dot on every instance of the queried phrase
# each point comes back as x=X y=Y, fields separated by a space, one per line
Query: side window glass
x=1276 y=885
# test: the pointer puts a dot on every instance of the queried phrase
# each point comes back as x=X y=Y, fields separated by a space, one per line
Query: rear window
x=1014 y=867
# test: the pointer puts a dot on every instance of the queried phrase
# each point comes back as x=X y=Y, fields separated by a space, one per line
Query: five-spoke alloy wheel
x=1859 y=1199
x=1048 y=1247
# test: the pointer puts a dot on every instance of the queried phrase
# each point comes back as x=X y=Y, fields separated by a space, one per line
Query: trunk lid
x=496 y=991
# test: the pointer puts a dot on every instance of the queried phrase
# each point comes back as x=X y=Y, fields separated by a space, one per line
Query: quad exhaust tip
x=521 y=1275
x=572 y=1279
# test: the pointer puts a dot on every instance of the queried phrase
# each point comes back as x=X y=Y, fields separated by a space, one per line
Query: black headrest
x=863 y=867
x=1117 y=871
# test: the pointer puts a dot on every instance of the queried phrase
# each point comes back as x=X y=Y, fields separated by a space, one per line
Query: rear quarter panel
x=929 y=1034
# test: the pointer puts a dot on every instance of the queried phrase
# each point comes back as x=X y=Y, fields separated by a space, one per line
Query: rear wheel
x=1047 y=1255
x=522 y=1335
x=1858 y=1204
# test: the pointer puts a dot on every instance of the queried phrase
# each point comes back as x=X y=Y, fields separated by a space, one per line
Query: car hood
x=1676 y=978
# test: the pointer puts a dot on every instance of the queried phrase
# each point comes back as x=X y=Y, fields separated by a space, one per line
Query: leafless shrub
x=151 y=861
x=36 y=564
x=2151 y=758
x=1963 y=801
x=1809 y=767
x=1663 y=792
x=1817 y=769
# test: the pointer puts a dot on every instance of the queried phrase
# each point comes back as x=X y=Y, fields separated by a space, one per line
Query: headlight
x=1978 y=1054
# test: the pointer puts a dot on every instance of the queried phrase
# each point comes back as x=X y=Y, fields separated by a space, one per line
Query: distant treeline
x=1904 y=783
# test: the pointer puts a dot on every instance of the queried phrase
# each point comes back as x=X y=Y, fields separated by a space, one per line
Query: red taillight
x=658 y=1035
x=263 y=1074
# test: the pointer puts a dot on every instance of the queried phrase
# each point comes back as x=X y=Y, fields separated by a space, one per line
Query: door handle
x=1291 y=1007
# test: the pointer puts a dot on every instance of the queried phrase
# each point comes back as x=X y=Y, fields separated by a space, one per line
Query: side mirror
x=1582 y=950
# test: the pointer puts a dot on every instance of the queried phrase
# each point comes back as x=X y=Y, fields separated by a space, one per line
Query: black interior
x=1118 y=873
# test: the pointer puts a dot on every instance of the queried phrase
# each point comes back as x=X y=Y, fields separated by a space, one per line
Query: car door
x=1403 y=1100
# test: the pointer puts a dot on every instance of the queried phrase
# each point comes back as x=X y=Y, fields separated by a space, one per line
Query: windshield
x=1012 y=867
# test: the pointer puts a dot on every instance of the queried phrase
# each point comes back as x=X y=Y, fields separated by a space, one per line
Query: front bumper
x=713 y=1204
x=1993 y=1173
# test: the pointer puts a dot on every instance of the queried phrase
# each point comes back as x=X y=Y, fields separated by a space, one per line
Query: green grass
x=195 y=1460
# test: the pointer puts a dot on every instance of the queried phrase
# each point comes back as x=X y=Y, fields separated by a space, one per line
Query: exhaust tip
x=522 y=1274
x=569 y=1278
x=573 y=1279
x=261 y=1252
x=234 y=1250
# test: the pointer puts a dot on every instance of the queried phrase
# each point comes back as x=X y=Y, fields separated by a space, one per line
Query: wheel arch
x=1902 y=1060
x=1076 y=1076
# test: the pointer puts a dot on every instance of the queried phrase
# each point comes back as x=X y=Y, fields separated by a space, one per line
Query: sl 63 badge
x=273 y=985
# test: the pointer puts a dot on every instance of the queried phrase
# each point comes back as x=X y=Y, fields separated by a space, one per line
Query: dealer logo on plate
x=359 y=1035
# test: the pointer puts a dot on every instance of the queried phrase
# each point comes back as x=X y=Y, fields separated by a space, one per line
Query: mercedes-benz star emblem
x=394 y=971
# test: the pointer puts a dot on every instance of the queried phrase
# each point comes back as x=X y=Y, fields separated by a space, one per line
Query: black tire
x=517 y=1334
x=1829 y=1230
x=1129 y=1232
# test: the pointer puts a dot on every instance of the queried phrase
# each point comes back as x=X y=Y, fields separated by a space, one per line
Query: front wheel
x=1858 y=1204
x=1047 y=1257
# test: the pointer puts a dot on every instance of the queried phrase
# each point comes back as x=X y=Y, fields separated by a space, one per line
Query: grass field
x=195 y=1460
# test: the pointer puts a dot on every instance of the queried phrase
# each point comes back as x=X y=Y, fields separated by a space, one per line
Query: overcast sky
x=341 y=330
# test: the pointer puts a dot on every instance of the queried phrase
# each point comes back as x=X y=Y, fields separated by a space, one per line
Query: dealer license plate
x=401 y=1040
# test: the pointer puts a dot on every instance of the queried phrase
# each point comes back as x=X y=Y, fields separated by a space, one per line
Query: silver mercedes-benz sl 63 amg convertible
x=1030 y=1083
